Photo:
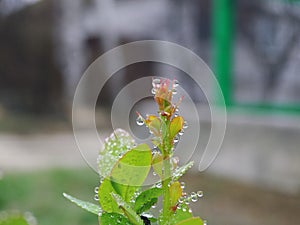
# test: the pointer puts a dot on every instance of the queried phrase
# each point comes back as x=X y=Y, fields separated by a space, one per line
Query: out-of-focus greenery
x=41 y=194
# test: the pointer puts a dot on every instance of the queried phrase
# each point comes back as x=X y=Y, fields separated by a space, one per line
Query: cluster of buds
x=163 y=96
x=167 y=123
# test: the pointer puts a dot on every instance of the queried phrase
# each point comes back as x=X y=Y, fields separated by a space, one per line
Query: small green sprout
x=124 y=166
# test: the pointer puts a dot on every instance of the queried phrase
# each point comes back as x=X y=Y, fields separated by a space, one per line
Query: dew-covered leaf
x=175 y=192
x=181 y=215
x=117 y=144
x=105 y=199
x=147 y=199
x=128 y=211
x=113 y=218
x=180 y=171
x=90 y=207
x=130 y=172
x=191 y=221
x=176 y=126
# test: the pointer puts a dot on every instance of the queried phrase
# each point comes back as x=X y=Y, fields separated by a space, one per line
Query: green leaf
x=179 y=172
x=105 y=199
x=128 y=211
x=115 y=146
x=191 y=221
x=154 y=124
x=126 y=176
x=90 y=207
x=113 y=218
x=14 y=218
x=147 y=199
x=176 y=126
x=157 y=163
x=175 y=192
x=131 y=170
x=181 y=214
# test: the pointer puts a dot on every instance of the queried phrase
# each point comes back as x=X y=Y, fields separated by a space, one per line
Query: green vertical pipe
x=223 y=12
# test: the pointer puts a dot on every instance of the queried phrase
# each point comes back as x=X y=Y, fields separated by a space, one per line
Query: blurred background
x=252 y=46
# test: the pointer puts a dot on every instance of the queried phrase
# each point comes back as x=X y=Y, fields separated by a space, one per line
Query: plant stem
x=166 y=193
x=166 y=173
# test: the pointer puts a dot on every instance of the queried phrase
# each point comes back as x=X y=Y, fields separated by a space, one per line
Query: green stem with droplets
x=166 y=178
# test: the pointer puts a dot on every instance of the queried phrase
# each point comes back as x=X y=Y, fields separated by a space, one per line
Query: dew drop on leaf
x=176 y=83
x=153 y=91
x=139 y=121
x=194 y=198
x=176 y=139
x=181 y=200
x=158 y=185
x=200 y=194
x=156 y=82
x=182 y=185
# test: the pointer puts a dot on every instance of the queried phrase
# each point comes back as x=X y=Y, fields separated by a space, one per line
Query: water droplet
x=179 y=206
x=190 y=210
x=194 y=198
x=204 y=222
x=153 y=207
x=158 y=185
x=174 y=91
x=181 y=200
x=181 y=132
x=176 y=139
x=156 y=82
x=96 y=190
x=200 y=194
x=174 y=162
x=153 y=91
x=96 y=197
x=175 y=83
x=182 y=185
x=139 y=121
x=185 y=125
x=184 y=209
x=176 y=113
x=154 y=174
x=154 y=151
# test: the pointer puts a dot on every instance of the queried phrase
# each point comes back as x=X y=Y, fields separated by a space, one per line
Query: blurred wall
x=29 y=79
